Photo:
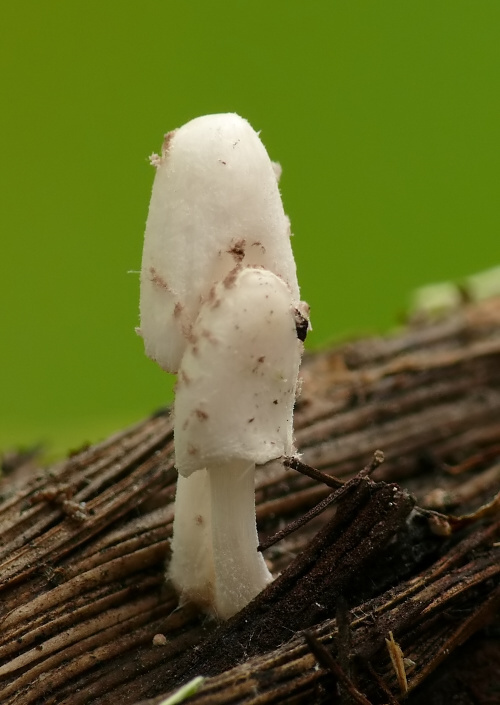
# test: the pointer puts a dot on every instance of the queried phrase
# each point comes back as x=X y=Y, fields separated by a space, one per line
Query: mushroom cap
x=238 y=377
x=215 y=204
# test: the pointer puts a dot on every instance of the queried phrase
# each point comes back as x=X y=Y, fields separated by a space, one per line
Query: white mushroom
x=220 y=307
x=215 y=205
x=233 y=411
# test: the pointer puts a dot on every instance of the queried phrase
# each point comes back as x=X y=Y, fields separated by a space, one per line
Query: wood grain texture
x=83 y=544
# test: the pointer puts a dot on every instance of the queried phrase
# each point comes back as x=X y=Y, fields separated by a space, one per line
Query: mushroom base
x=215 y=562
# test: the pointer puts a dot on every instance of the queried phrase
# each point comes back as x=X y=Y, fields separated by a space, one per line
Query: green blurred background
x=384 y=116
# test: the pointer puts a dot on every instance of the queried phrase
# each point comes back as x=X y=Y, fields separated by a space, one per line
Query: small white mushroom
x=233 y=411
x=220 y=307
x=215 y=206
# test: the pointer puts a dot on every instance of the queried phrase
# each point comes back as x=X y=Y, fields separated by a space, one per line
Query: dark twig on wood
x=378 y=459
x=328 y=480
x=326 y=660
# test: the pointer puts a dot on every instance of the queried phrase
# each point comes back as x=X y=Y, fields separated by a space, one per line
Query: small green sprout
x=184 y=692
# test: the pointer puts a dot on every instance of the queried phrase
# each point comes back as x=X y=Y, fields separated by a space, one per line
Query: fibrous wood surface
x=86 y=616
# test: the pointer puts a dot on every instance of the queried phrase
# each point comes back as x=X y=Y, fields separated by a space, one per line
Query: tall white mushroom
x=220 y=306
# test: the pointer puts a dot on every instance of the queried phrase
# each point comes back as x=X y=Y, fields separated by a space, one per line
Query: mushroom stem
x=240 y=572
x=191 y=567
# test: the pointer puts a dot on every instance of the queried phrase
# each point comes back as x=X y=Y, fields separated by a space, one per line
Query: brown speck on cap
x=200 y=414
x=158 y=280
x=259 y=244
x=205 y=333
x=275 y=401
x=231 y=277
x=260 y=360
x=192 y=338
x=252 y=419
x=212 y=298
x=193 y=450
x=178 y=309
x=187 y=331
x=166 y=141
x=237 y=250
x=199 y=520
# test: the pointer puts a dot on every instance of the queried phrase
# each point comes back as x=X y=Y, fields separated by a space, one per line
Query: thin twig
x=313 y=473
x=326 y=660
x=376 y=461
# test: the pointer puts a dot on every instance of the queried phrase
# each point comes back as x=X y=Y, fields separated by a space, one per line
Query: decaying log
x=86 y=615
